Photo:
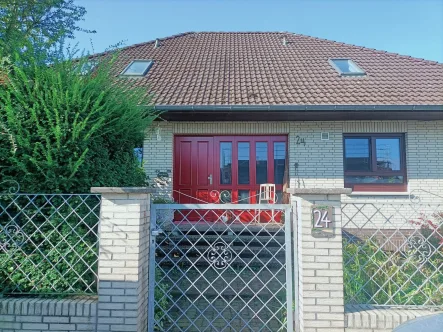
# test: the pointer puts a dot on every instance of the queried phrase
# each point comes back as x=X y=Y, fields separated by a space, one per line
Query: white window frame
x=149 y=61
x=360 y=72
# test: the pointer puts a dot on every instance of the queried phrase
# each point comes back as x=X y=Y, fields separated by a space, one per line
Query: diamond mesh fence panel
x=220 y=269
x=48 y=244
x=393 y=254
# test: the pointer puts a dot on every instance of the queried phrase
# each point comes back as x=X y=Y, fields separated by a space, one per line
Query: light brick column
x=123 y=259
x=320 y=264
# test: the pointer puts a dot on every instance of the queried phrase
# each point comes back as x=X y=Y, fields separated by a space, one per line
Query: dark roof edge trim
x=300 y=108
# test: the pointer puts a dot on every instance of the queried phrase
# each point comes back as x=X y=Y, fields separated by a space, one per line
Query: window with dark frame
x=375 y=162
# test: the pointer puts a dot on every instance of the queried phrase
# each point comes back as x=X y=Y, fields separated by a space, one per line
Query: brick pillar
x=320 y=264
x=123 y=259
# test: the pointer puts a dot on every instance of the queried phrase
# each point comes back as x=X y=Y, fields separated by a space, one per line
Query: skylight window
x=137 y=68
x=346 y=67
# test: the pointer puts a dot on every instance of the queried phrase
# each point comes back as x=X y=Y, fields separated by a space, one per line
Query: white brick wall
x=123 y=262
x=320 y=162
x=320 y=269
x=365 y=318
x=425 y=156
x=18 y=314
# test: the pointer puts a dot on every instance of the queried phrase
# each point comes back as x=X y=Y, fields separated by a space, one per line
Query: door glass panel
x=261 y=157
x=279 y=161
x=388 y=154
x=357 y=155
x=225 y=163
x=243 y=163
x=243 y=197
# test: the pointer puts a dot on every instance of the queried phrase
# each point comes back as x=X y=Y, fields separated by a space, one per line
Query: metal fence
x=393 y=253
x=48 y=243
x=220 y=267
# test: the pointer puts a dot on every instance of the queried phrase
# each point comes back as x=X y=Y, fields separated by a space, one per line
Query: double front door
x=225 y=169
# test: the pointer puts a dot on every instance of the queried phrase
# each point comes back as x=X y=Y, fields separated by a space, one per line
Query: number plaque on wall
x=322 y=221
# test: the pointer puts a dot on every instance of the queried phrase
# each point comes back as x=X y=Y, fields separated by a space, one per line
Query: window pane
x=243 y=197
x=374 y=179
x=243 y=163
x=357 y=154
x=279 y=161
x=138 y=152
x=138 y=68
x=347 y=66
x=388 y=154
x=225 y=163
x=261 y=157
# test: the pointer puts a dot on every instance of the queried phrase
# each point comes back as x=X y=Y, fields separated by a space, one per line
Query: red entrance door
x=231 y=166
x=193 y=169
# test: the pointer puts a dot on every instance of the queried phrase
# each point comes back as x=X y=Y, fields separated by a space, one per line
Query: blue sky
x=409 y=27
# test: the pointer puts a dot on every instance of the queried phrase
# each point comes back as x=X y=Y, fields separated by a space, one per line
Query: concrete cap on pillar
x=123 y=190
x=319 y=191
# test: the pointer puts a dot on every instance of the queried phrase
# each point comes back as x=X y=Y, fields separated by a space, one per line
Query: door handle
x=210 y=178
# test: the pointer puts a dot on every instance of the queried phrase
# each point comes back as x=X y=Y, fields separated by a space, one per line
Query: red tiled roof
x=256 y=68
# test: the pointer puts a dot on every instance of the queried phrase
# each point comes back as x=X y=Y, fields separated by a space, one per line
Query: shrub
x=63 y=130
x=374 y=276
x=72 y=130
x=56 y=248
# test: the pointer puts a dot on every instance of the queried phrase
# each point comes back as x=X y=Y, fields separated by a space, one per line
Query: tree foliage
x=70 y=130
x=43 y=23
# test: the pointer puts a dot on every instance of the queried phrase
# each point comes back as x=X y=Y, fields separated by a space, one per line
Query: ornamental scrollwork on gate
x=10 y=235
x=219 y=255
x=221 y=197
x=9 y=187
x=225 y=197
x=420 y=247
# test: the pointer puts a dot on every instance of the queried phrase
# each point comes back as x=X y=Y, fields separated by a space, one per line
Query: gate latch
x=156 y=232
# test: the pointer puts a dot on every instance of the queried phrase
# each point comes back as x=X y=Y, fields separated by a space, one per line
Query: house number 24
x=300 y=140
x=321 y=217
x=322 y=221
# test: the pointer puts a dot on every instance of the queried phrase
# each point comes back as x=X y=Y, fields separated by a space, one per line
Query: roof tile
x=256 y=68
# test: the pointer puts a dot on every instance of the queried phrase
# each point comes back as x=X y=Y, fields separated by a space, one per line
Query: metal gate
x=220 y=267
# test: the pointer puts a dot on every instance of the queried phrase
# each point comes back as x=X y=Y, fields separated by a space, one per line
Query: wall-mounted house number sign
x=322 y=221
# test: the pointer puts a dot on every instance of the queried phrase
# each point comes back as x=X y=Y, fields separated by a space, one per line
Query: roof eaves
x=301 y=108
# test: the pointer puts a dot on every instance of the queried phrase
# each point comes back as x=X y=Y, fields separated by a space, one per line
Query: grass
x=374 y=276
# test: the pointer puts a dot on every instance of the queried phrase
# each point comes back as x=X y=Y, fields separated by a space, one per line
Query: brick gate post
x=123 y=259
x=320 y=263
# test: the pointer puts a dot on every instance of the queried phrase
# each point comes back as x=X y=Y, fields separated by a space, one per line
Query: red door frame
x=252 y=187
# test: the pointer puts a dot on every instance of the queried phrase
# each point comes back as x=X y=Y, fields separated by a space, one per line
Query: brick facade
x=123 y=260
x=320 y=269
x=47 y=315
x=365 y=318
x=320 y=163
